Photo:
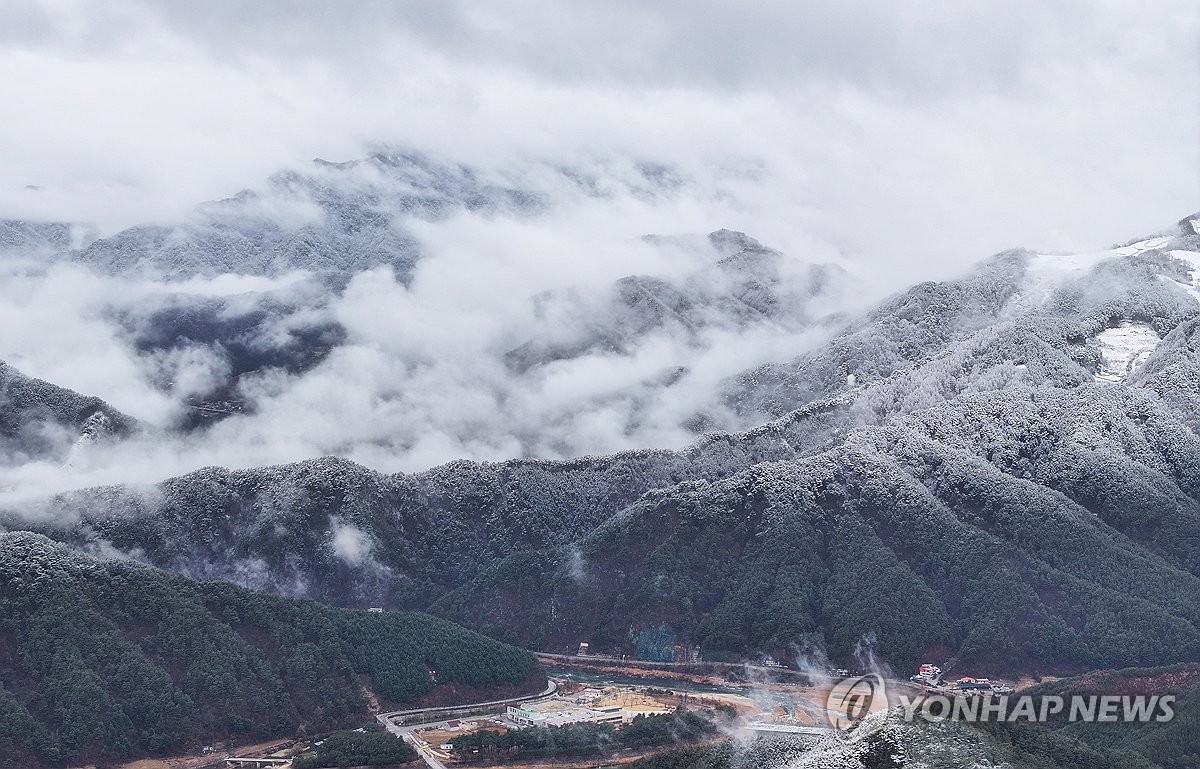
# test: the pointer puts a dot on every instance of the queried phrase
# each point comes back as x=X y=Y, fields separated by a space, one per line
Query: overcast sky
x=902 y=140
x=889 y=130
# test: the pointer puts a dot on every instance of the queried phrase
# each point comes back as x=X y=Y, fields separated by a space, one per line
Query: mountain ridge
x=967 y=410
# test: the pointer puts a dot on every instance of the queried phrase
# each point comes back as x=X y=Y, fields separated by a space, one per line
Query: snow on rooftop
x=1124 y=348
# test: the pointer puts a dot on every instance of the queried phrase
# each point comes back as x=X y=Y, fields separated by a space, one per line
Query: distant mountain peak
x=731 y=242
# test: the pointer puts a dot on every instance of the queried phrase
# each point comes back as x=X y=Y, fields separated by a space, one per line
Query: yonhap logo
x=853 y=699
x=1109 y=708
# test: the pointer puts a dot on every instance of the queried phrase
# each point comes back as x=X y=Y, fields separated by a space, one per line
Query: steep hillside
x=39 y=420
x=1042 y=319
x=1025 y=529
x=1174 y=744
x=103 y=660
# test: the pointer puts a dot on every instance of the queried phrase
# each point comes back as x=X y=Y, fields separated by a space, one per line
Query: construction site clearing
x=786 y=709
x=574 y=704
x=766 y=708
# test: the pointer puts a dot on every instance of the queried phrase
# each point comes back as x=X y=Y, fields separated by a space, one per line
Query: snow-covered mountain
x=744 y=285
x=331 y=219
x=256 y=309
x=408 y=365
x=964 y=470
x=40 y=238
x=1020 y=318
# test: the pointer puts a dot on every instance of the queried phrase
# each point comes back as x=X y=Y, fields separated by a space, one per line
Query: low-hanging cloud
x=899 y=141
x=350 y=543
x=424 y=374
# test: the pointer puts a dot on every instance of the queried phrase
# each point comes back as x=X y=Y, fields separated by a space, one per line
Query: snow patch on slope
x=1046 y=272
x=1148 y=244
x=1125 y=348
x=94 y=428
x=1192 y=258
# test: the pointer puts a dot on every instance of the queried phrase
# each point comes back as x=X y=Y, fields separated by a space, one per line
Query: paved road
x=387 y=720
x=654 y=665
x=551 y=687
x=424 y=752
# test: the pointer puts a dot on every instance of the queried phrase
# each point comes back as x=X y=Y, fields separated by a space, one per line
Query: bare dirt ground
x=439 y=736
x=373 y=705
x=198 y=762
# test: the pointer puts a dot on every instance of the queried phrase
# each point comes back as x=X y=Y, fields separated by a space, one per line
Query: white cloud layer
x=421 y=377
x=893 y=131
x=902 y=140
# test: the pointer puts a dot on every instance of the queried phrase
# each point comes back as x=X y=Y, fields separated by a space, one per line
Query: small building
x=928 y=674
x=685 y=653
x=608 y=714
x=584 y=649
x=559 y=712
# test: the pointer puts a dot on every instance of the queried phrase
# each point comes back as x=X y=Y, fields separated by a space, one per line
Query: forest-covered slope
x=965 y=531
x=104 y=660
x=1173 y=744
x=39 y=420
x=976 y=469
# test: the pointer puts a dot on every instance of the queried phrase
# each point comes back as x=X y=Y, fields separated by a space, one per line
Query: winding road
x=388 y=720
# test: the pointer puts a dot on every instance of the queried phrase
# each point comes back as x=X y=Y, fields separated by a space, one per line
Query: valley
x=753 y=706
x=998 y=472
x=588 y=385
